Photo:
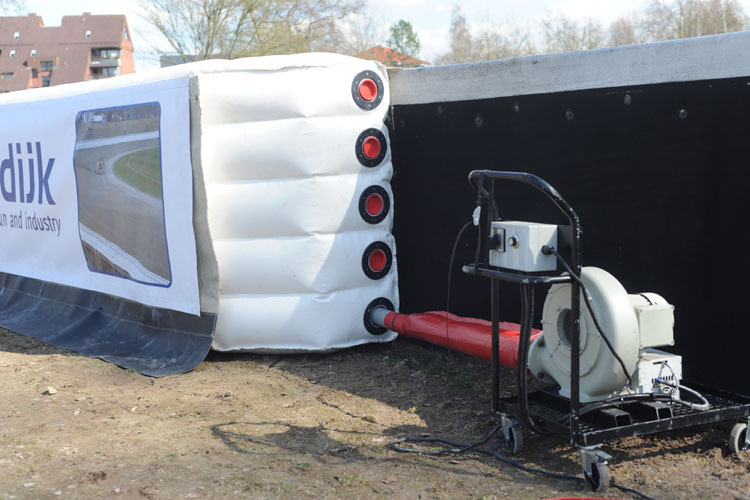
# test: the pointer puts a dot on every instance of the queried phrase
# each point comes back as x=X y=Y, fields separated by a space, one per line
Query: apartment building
x=82 y=48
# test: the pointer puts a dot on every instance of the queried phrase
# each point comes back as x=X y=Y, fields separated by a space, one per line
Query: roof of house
x=68 y=45
x=390 y=57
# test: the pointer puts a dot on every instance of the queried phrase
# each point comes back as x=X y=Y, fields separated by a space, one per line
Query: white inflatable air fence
x=275 y=211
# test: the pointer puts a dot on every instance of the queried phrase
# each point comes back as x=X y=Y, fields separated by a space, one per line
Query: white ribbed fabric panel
x=283 y=186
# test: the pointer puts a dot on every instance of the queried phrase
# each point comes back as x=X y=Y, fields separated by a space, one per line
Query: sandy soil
x=250 y=426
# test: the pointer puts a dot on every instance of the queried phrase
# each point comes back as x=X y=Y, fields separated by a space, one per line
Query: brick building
x=82 y=48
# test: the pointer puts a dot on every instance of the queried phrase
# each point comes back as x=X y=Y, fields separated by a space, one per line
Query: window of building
x=110 y=53
x=12 y=53
x=34 y=73
x=45 y=66
x=88 y=34
x=110 y=71
x=32 y=53
x=16 y=35
x=6 y=76
x=45 y=81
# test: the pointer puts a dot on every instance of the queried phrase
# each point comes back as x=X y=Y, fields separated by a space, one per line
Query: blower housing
x=633 y=323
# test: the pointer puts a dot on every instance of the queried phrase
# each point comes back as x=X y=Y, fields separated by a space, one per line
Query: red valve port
x=371 y=147
x=368 y=89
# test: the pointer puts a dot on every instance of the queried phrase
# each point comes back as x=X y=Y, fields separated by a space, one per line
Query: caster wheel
x=599 y=477
x=737 y=438
x=514 y=441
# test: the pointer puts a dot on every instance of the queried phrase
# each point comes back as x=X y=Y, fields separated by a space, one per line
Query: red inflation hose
x=467 y=335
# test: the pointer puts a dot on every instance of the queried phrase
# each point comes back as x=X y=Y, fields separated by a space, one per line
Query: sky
x=430 y=18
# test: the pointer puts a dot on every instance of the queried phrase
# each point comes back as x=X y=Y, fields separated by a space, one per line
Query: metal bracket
x=591 y=455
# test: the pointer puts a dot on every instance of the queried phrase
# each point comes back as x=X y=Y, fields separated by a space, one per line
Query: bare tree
x=563 y=34
x=662 y=20
x=205 y=29
x=460 y=40
x=626 y=30
x=358 y=33
x=691 y=18
x=488 y=42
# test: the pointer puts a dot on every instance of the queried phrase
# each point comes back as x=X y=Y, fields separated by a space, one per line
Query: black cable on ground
x=457 y=447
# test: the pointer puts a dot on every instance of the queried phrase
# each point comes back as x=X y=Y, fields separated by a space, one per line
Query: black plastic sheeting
x=152 y=341
x=657 y=174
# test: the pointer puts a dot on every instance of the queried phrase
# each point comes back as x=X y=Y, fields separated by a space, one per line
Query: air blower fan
x=617 y=385
x=633 y=324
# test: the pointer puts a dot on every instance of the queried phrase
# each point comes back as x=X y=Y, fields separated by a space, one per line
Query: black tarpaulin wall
x=656 y=173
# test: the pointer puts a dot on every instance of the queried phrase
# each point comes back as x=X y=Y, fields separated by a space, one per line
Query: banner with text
x=96 y=193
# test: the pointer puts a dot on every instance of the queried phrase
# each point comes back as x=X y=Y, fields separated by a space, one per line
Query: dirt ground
x=251 y=426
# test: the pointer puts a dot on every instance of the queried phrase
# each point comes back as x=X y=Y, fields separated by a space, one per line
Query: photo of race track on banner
x=120 y=206
x=96 y=191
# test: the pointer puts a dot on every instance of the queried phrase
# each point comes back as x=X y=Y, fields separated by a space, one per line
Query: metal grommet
x=379 y=302
x=367 y=90
x=376 y=260
x=371 y=147
x=374 y=204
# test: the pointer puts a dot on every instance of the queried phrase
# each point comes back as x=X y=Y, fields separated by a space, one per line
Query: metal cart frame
x=591 y=425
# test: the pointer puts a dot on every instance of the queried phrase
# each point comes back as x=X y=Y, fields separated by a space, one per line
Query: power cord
x=456 y=447
x=450 y=274
x=547 y=249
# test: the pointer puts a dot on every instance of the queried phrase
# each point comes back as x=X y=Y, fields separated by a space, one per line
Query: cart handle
x=552 y=193
x=575 y=256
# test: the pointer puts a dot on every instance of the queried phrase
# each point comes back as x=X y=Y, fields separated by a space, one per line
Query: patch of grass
x=350 y=480
x=142 y=170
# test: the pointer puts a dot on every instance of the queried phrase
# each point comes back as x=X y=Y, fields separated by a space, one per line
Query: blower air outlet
x=367 y=90
x=374 y=204
x=367 y=318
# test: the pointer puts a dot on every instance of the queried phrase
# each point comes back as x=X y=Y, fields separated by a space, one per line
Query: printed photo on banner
x=118 y=172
